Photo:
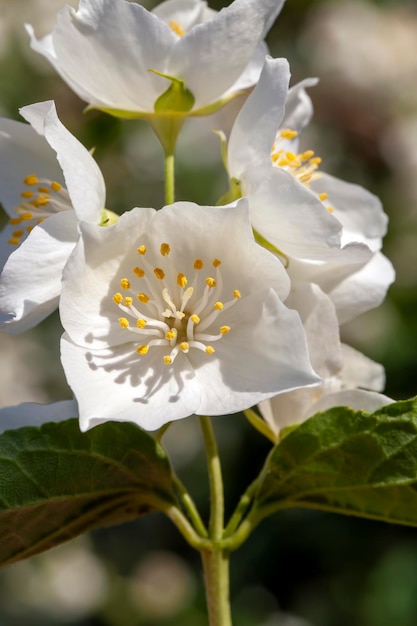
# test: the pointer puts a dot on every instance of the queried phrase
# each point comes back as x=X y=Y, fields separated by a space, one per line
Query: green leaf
x=347 y=462
x=57 y=482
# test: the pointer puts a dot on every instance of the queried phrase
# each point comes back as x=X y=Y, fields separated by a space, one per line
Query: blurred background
x=300 y=568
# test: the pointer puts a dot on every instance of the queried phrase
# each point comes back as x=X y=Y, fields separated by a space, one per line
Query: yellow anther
x=25 y=217
x=182 y=280
x=210 y=350
x=330 y=209
x=14 y=221
x=195 y=319
x=165 y=249
x=167 y=359
x=323 y=196
x=142 y=350
x=216 y=262
x=306 y=156
x=305 y=178
x=118 y=298
x=287 y=133
x=315 y=161
x=14 y=241
x=142 y=297
x=184 y=346
x=283 y=162
x=177 y=28
x=210 y=282
x=29 y=229
x=140 y=273
x=198 y=264
x=26 y=194
x=18 y=233
x=140 y=323
x=124 y=323
x=41 y=200
x=124 y=283
x=237 y=294
x=56 y=186
x=44 y=189
x=159 y=273
x=128 y=301
x=291 y=156
x=31 y=179
x=224 y=329
x=142 y=249
x=219 y=306
x=40 y=220
x=170 y=334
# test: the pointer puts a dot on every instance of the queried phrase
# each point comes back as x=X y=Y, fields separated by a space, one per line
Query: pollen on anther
x=142 y=297
x=287 y=133
x=124 y=323
x=31 y=179
x=195 y=319
x=170 y=334
x=210 y=282
x=167 y=359
x=176 y=28
x=237 y=294
x=198 y=264
x=323 y=196
x=26 y=194
x=128 y=301
x=210 y=350
x=182 y=280
x=15 y=220
x=41 y=200
x=184 y=346
x=140 y=273
x=218 y=306
x=216 y=262
x=140 y=323
x=44 y=189
x=224 y=330
x=165 y=249
x=142 y=349
x=26 y=217
x=124 y=283
x=118 y=298
x=159 y=273
x=56 y=186
x=142 y=249
x=18 y=233
x=14 y=241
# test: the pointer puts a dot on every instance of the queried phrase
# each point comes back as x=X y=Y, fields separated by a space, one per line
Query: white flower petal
x=356 y=399
x=364 y=289
x=298 y=106
x=228 y=41
x=357 y=209
x=83 y=178
x=254 y=129
x=31 y=279
x=32 y=414
x=22 y=152
x=140 y=392
x=185 y=13
x=360 y=371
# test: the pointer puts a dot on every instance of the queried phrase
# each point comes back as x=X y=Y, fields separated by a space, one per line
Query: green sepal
x=176 y=99
x=57 y=483
x=269 y=246
x=348 y=462
x=233 y=193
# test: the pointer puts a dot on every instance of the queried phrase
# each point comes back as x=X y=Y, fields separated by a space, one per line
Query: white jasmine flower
x=326 y=228
x=44 y=204
x=182 y=58
x=176 y=312
x=349 y=378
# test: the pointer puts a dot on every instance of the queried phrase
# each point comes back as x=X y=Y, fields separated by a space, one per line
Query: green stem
x=215 y=478
x=169 y=177
x=240 y=510
x=190 y=507
x=185 y=528
x=216 y=576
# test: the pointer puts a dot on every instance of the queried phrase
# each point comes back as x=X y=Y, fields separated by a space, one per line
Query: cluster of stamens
x=40 y=199
x=304 y=165
x=173 y=313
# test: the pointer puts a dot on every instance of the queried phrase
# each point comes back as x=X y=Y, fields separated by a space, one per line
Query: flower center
x=304 y=165
x=39 y=199
x=166 y=308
